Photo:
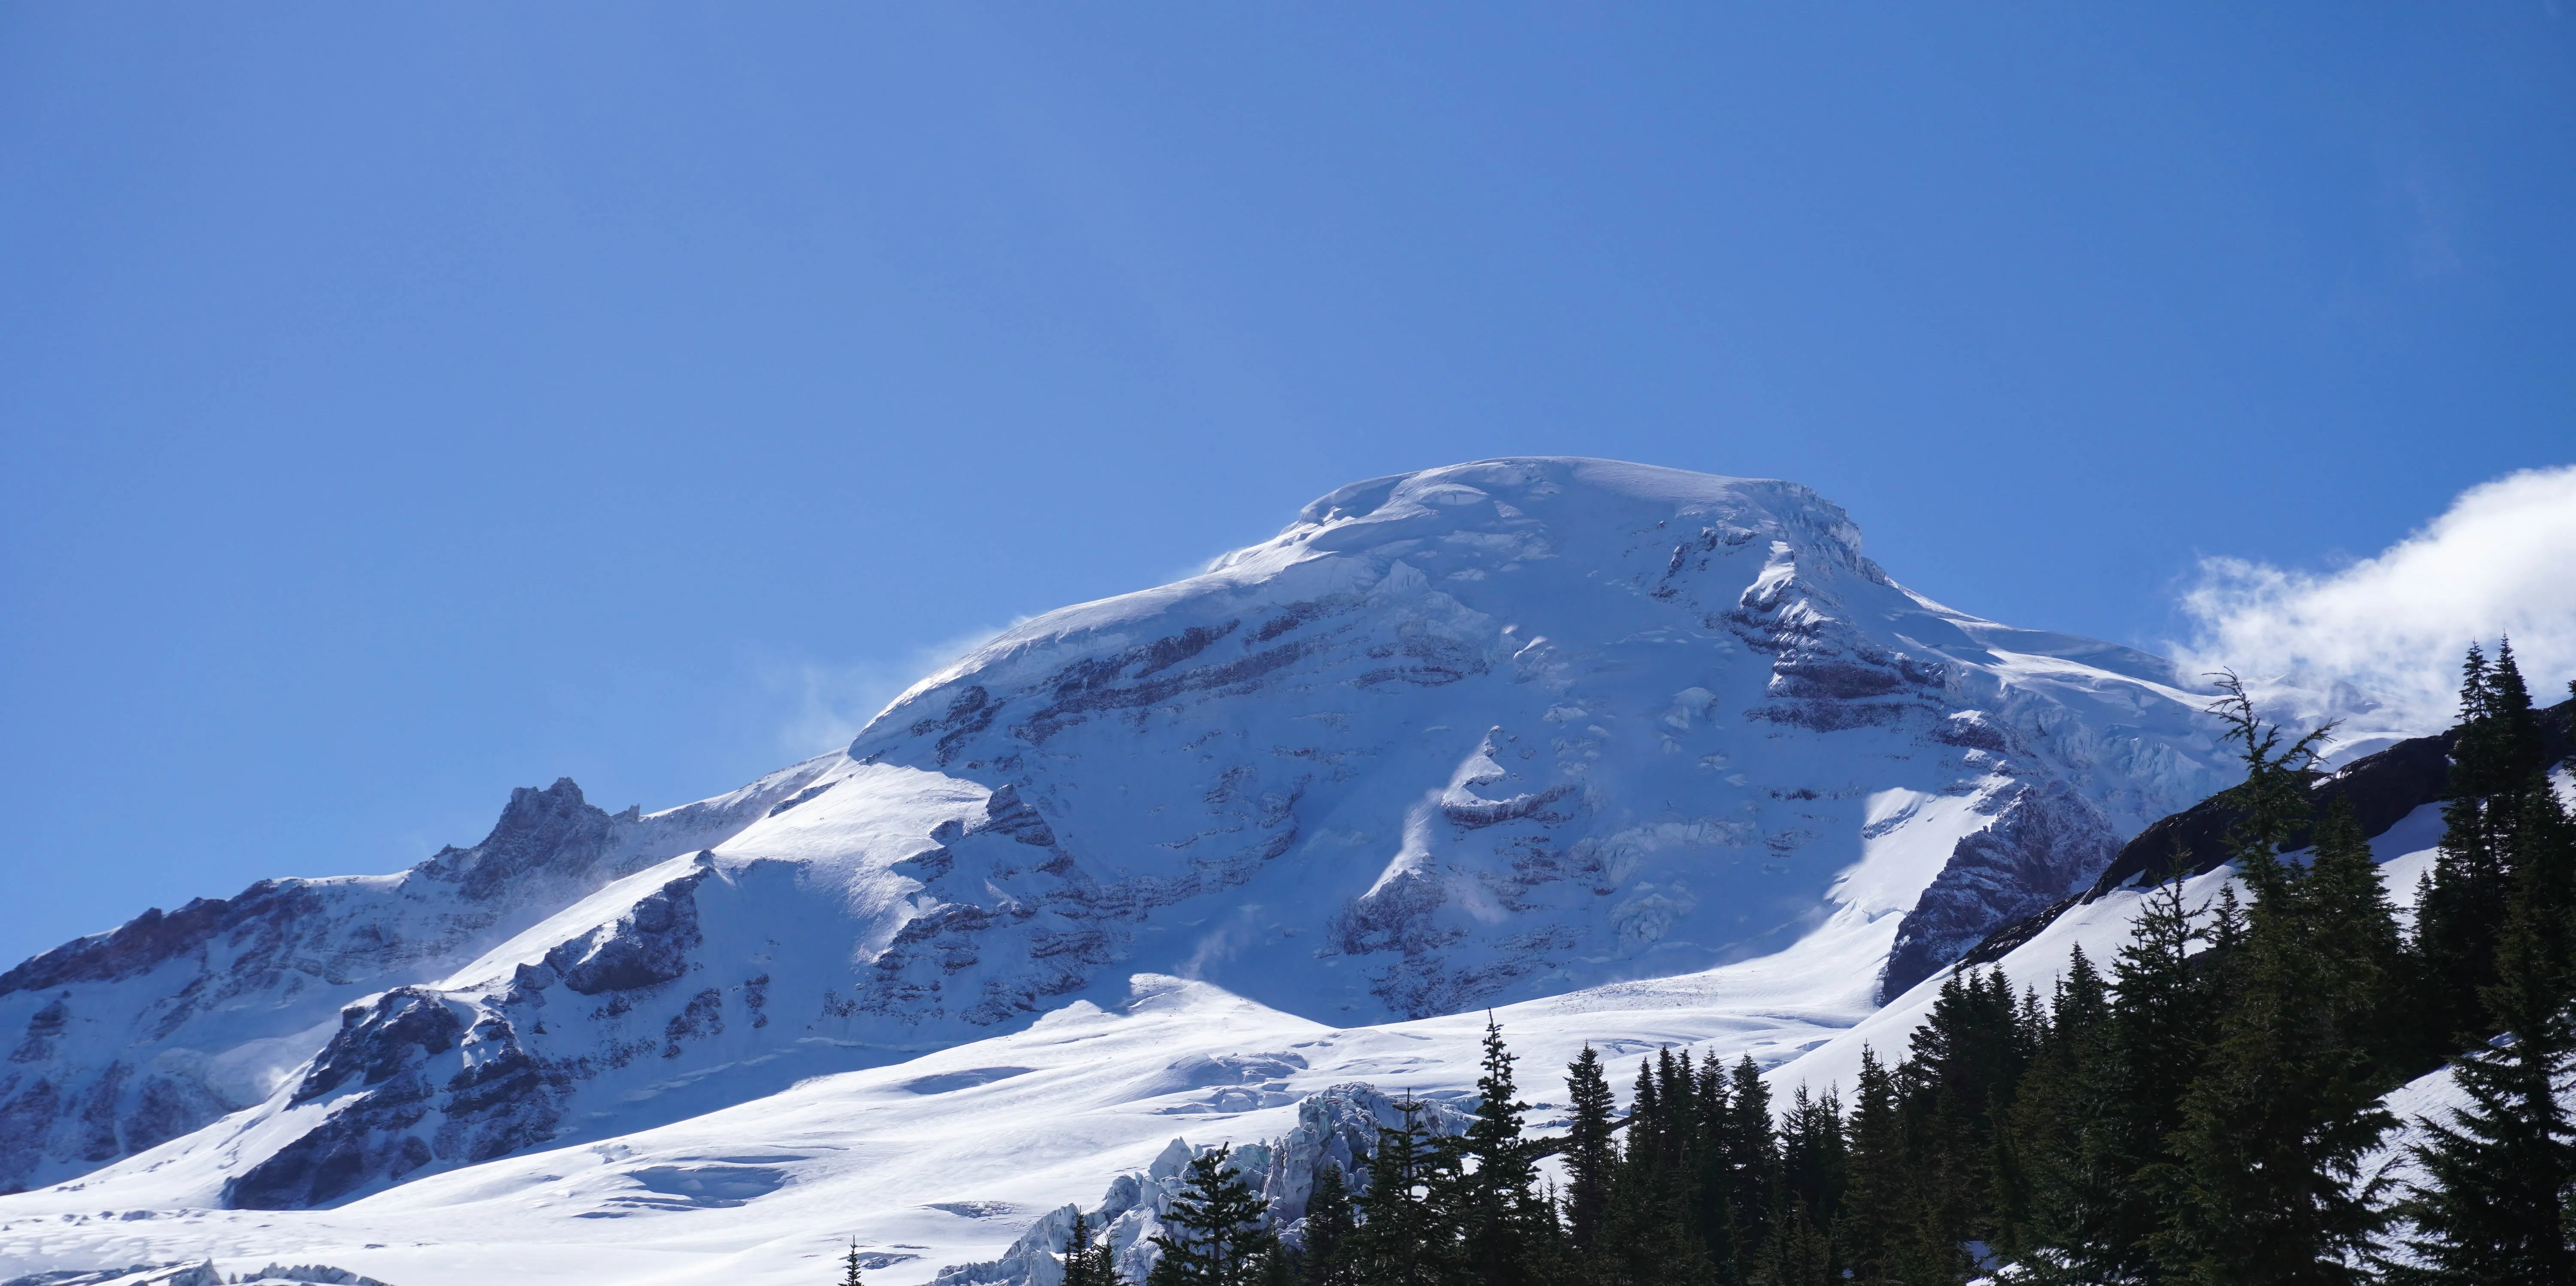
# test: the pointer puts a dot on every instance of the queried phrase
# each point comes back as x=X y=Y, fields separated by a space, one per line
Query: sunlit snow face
x=1503 y=728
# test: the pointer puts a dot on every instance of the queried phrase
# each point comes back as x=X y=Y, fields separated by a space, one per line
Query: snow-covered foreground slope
x=947 y=1158
x=940 y=1160
x=1528 y=733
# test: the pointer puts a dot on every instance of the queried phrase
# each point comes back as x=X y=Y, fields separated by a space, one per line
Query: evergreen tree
x=1807 y=1193
x=1591 y=1150
x=1645 y=1237
x=1673 y=1097
x=1277 y=1265
x=2039 y=1167
x=2226 y=931
x=1815 y=1163
x=2494 y=755
x=2543 y=860
x=1750 y=1153
x=2346 y=921
x=1222 y=1232
x=1965 y=1059
x=1795 y=1253
x=2273 y=798
x=1876 y=1233
x=1078 y=1258
x=1104 y=1262
x=1507 y=1233
x=1645 y=1121
x=2503 y=1169
x=2272 y=1139
x=2109 y=1199
x=1642 y=1240
x=1329 y=1229
x=2276 y=1125
x=850 y=1266
x=2515 y=728
x=2083 y=1000
x=2019 y=1119
x=1403 y=1239
x=1711 y=1180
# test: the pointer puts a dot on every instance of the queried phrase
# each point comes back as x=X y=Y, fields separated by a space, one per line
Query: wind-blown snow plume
x=831 y=702
x=2378 y=643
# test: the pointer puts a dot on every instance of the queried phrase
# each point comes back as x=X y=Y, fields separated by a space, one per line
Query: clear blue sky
x=403 y=403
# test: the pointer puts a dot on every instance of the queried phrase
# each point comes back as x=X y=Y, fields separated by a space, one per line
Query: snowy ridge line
x=169 y=1022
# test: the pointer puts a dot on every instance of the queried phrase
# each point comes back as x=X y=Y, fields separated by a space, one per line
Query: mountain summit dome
x=1517 y=726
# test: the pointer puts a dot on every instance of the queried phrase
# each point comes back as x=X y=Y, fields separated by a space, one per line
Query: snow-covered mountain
x=1483 y=735
x=127 y=1038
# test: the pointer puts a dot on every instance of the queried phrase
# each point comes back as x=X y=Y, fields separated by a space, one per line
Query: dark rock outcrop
x=268 y=911
x=432 y=1086
x=2383 y=788
x=541 y=832
x=2046 y=839
x=646 y=946
x=380 y=1041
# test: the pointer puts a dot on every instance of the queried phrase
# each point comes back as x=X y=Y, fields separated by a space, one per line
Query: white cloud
x=2378 y=643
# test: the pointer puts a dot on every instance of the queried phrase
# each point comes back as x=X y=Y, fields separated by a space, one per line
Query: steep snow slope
x=1476 y=735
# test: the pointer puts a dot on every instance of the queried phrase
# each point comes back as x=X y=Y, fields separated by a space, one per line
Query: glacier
x=1626 y=755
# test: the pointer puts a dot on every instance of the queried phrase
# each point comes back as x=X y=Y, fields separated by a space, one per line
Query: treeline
x=2197 y=1109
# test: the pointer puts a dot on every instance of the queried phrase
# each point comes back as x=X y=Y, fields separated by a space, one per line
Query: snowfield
x=941 y=1160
